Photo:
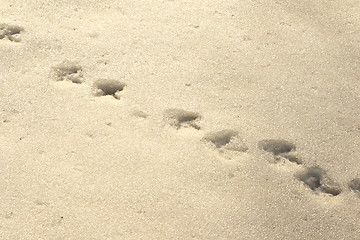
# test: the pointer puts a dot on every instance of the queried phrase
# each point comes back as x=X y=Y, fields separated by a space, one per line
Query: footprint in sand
x=314 y=178
x=354 y=186
x=68 y=71
x=180 y=118
x=108 y=87
x=10 y=32
x=317 y=180
x=139 y=114
x=226 y=140
x=281 y=149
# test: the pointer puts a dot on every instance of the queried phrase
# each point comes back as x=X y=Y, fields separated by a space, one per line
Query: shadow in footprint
x=317 y=180
x=11 y=32
x=291 y=157
x=180 y=118
x=226 y=139
x=280 y=149
x=111 y=87
x=276 y=146
x=68 y=71
x=354 y=185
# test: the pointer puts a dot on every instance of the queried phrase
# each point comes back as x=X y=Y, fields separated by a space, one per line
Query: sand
x=179 y=119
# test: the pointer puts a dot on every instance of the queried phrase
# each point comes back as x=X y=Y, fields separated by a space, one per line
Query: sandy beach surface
x=180 y=119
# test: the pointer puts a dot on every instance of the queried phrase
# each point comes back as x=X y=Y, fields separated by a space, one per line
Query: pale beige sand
x=180 y=151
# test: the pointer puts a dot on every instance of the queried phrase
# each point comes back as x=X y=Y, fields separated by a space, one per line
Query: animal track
x=226 y=139
x=68 y=71
x=276 y=146
x=11 y=32
x=317 y=180
x=180 y=118
x=280 y=149
x=354 y=185
x=103 y=87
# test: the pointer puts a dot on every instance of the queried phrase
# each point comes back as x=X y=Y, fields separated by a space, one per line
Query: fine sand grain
x=179 y=119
